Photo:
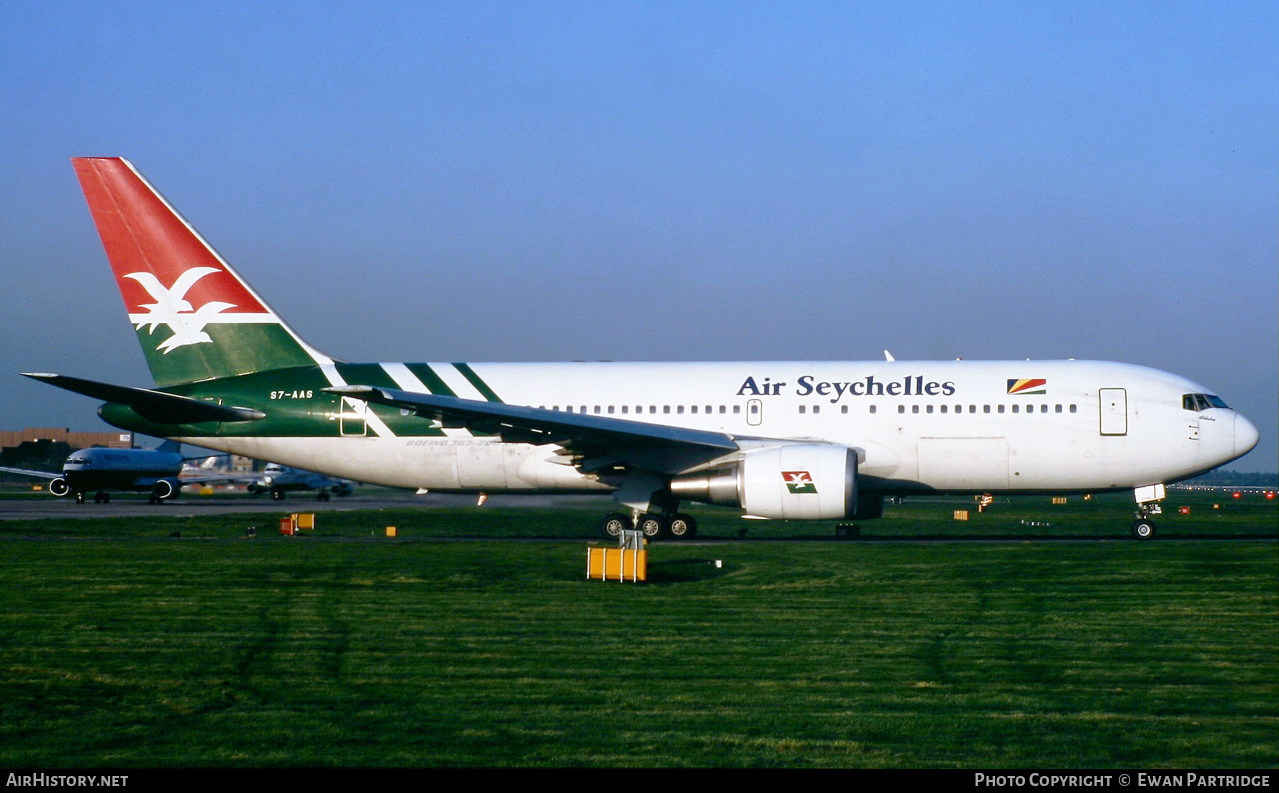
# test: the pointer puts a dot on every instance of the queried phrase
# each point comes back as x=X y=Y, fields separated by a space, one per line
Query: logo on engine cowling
x=799 y=482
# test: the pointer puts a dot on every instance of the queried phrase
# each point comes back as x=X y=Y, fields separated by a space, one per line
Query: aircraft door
x=351 y=418
x=1114 y=411
x=754 y=412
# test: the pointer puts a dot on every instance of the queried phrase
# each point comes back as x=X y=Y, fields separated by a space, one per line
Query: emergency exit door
x=1114 y=411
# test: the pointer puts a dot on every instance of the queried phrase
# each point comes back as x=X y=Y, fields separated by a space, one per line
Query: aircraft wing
x=593 y=442
x=25 y=472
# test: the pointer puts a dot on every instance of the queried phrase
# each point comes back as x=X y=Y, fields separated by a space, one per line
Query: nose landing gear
x=1148 y=498
x=1143 y=529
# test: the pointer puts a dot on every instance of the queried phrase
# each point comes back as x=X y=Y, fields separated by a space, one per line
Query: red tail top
x=143 y=234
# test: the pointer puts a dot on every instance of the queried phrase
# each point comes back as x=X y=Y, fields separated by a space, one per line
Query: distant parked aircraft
x=99 y=471
x=278 y=479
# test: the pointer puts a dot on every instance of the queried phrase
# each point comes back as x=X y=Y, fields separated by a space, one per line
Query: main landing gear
x=654 y=526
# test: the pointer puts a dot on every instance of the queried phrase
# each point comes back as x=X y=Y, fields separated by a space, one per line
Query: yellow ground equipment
x=298 y=521
x=627 y=562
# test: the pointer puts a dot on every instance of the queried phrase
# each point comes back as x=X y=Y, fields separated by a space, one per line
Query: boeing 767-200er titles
x=814 y=440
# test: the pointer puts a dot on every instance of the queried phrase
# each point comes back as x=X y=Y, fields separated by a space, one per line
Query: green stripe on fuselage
x=430 y=379
x=366 y=374
x=373 y=374
x=479 y=384
x=436 y=385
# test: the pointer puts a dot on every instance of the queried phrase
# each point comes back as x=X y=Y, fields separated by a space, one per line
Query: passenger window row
x=1030 y=408
x=625 y=410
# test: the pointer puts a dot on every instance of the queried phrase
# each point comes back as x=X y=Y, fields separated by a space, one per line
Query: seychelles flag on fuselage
x=1036 y=386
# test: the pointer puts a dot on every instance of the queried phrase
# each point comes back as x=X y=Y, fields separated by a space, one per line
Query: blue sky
x=665 y=181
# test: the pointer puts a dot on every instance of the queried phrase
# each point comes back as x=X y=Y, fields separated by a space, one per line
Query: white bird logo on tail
x=172 y=308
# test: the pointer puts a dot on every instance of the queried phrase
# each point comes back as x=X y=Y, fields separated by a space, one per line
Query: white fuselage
x=948 y=426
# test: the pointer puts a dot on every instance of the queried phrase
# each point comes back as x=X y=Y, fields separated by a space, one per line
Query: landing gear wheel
x=79 y=497
x=682 y=527
x=106 y=497
x=324 y=495
x=652 y=526
x=613 y=525
x=153 y=499
x=1143 y=529
x=97 y=497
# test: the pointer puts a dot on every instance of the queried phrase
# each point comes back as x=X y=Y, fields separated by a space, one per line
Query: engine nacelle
x=164 y=488
x=796 y=482
x=59 y=487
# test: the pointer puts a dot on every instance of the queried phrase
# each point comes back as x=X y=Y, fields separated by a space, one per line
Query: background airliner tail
x=195 y=317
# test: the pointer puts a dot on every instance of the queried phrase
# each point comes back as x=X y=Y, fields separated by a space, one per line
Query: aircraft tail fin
x=195 y=317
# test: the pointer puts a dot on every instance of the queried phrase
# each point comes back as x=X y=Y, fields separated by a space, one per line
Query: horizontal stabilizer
x=151 y=405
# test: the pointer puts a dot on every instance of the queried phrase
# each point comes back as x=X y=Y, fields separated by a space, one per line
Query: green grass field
x=123 y=646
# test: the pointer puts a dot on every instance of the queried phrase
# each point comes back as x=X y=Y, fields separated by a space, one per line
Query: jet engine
x=59 y=487
x=794 y=482
x=164 y=488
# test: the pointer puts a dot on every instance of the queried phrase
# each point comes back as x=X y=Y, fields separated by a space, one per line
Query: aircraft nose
x=1246 y=436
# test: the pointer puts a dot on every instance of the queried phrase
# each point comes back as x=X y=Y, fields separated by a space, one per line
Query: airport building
x=76 y=440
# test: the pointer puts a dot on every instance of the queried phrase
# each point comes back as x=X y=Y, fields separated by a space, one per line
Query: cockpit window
x=1202 y=401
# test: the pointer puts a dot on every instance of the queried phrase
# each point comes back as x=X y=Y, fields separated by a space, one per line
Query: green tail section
x=232 y=350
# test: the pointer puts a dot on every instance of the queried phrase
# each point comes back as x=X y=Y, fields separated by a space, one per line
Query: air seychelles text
x=835 y=391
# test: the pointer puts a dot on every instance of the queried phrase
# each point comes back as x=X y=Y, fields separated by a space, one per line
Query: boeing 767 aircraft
x=800 y=440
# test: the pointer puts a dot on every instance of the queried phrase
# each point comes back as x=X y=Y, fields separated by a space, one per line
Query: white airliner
x=812 y=440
